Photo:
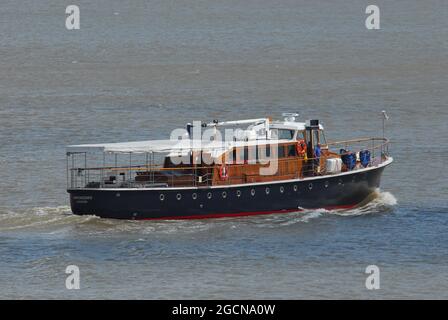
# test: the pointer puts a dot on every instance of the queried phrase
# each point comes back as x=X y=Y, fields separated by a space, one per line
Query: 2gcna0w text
x=240 y=309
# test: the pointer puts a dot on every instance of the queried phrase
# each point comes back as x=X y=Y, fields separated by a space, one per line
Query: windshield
x=282 y=134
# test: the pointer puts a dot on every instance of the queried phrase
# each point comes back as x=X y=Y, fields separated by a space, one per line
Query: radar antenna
x=290 y=117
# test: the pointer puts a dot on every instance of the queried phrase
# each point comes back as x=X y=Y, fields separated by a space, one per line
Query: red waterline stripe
x=242 y=214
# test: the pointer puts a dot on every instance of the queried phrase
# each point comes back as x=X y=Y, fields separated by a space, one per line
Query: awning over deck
x=128 y=147
x=215 y=147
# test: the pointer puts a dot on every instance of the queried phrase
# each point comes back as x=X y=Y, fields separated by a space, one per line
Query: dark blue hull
x=330 y=192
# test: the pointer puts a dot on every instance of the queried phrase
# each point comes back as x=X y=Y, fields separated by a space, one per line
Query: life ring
x=223 y=172
x=301 y=147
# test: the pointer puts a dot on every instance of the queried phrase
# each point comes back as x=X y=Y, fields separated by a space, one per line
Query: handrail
x=386 y=140
x=161 y=168
x=191 y=174
x=384 y=146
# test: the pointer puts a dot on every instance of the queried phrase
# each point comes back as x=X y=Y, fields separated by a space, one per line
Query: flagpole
x=385 y=117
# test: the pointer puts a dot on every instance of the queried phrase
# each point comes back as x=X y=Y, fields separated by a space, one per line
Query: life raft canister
x=223 y=172
x=301 y=147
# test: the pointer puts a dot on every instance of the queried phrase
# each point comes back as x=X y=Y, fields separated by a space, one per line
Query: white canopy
x=126 y=147
x=215 y=147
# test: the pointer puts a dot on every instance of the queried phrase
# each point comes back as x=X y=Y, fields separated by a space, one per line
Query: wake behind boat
x=266 y=167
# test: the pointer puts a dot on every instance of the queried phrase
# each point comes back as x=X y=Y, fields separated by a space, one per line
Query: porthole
x=178 y=196
x=209 y=195
x=340 y=182
x=327 y=184
x=268 y=190
x=117 y=194
x=194 y=196
x=224 y=194
x=252 y=192
x=282 y=189
x=162 y=197
x=295 y=187
x=310 y=186
x=238 y=193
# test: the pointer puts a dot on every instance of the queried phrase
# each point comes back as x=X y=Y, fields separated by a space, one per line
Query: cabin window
x=300 y=135
x=281 y=151
x=282 y=134
x=263 y=152
x=239 y=155
x=252 y=154
x=268 y=150
x=323 y=140
x=316 y=137
x=285 y=134
x=292 y=152
x=257 y=152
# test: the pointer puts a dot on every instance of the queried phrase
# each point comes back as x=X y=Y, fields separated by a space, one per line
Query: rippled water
x=136 y=70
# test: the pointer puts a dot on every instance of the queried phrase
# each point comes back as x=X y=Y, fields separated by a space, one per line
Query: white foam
x=303 y=216
x=381 y=201
x=388 y=198
x=36 y=217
